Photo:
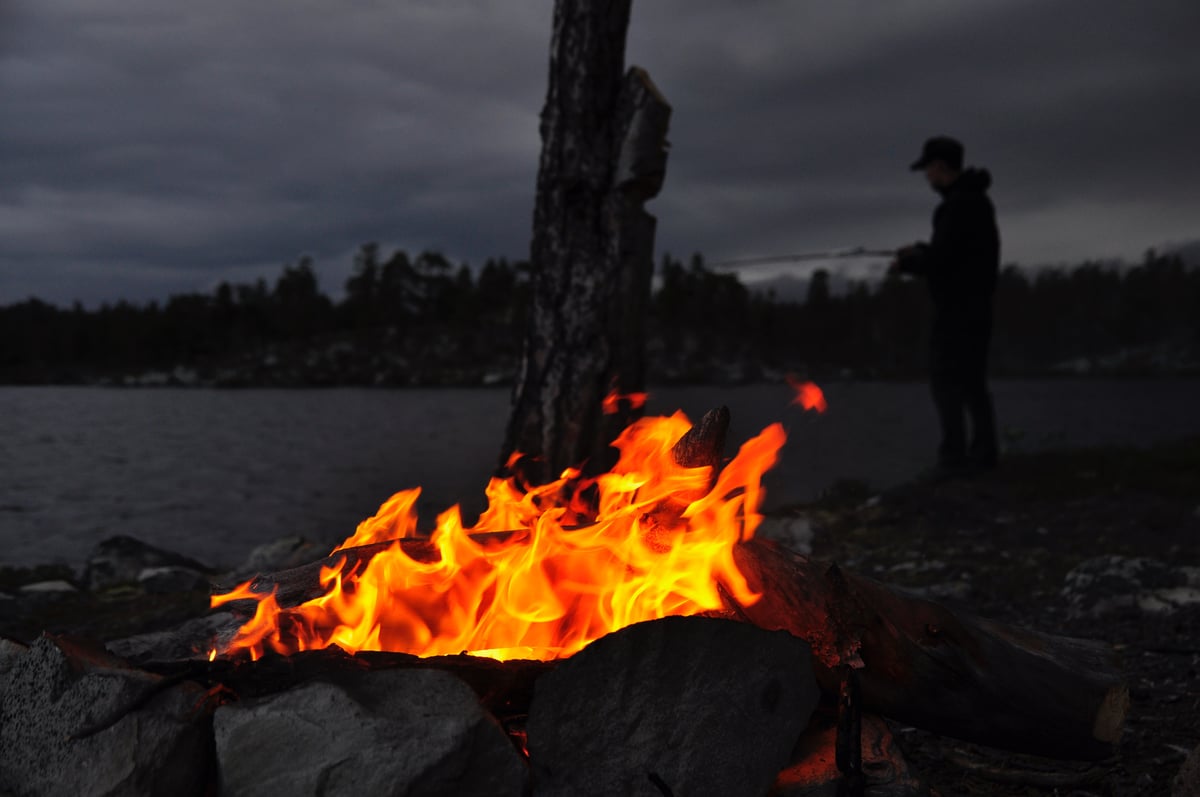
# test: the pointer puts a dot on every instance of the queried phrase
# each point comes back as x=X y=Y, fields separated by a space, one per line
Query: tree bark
x=590 y=252
x=946 y=671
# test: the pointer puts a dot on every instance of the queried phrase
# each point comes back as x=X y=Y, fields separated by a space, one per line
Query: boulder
x=281 y=554
x=61 y=688
x=681 y=705
x=121 y=559
x=172 y=578
x=390 y=732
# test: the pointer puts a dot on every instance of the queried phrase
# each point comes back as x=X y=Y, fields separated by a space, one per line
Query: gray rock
x=1186 y=782
x=121 y=559
x=54 y=586
x=11 y=652
x=1104 y=584
x=793 y=532
x=948 y=591
x=281 y=554
x=681 y=705
x=58 y=688
x=392 y=732
x=172 y=578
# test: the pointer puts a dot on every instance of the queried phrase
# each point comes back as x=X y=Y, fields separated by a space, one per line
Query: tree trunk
x=576 y=346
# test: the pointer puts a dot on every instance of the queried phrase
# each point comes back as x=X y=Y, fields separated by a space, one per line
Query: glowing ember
x=656 y=540
x=612 y=402
x=808 y=394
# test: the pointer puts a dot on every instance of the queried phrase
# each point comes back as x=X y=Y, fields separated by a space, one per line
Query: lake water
x=213 y=473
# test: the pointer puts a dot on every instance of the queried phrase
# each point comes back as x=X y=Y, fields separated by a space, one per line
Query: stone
x=680 y=705
x=121 y=559
x=11 y=652
x=1104 y=584
x=56 y=586
x=793 y=532
x=60 y=687
x=1186 y=782
x=389 y=732
x=172 y=578
x=281 y=554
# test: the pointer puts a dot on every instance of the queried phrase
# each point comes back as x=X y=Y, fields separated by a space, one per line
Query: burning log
x=700 y=446
x=948 y=672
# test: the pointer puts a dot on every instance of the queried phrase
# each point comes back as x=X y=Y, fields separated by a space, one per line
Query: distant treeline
x=424 y=321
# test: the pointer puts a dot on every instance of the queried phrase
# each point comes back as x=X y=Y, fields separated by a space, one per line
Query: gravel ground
x=1014 y=545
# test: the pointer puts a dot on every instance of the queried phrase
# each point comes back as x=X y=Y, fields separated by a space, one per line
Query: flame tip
x=545 y=569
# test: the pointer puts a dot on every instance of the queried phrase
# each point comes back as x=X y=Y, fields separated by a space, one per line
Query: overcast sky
x=150 y=147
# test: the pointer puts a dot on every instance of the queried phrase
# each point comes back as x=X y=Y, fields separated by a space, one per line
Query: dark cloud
x=150 y=148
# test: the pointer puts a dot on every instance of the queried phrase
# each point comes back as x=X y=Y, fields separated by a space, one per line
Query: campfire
x=545 y=570
x=620 y=633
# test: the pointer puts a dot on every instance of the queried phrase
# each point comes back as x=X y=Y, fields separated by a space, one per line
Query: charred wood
x=948 y=672
x=504 y=688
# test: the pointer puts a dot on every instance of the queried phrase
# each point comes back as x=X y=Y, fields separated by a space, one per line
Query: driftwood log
x=917 y=661
x=946 y=671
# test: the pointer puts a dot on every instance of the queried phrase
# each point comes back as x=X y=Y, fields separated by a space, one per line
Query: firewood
x=945 y=671
x=701 y=446
x=296 y=585
x=504 y=688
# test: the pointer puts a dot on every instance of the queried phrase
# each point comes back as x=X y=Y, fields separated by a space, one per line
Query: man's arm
x=912 y=259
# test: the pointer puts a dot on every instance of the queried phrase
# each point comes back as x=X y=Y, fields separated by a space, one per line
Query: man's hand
x=908 y=259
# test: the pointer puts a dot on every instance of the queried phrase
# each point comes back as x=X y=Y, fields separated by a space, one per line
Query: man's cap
x=940 y=148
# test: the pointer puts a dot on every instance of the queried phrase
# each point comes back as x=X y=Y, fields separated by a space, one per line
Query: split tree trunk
x=603 y=155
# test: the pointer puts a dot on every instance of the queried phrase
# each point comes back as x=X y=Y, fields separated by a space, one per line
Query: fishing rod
x=832 y=254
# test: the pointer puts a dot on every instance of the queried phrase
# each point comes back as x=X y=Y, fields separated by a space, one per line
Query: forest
x=423 y=320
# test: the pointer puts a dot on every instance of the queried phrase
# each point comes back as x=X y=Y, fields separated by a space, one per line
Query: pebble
x=57 y=585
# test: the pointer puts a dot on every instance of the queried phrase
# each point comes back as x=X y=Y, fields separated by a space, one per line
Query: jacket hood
x=975 y=180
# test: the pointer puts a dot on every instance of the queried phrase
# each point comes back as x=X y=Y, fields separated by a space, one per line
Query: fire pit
x=561 y=611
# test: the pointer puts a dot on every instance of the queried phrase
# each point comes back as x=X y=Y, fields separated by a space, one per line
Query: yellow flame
x=657 y=541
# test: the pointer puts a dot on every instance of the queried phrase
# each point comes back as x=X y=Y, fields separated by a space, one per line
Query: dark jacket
x=962 y=258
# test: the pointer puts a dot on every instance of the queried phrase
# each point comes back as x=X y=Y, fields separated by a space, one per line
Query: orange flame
x=612 y=402
x=808 y=394
x=659 y=542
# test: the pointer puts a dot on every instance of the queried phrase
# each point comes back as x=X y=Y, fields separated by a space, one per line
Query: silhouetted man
x=959 y=263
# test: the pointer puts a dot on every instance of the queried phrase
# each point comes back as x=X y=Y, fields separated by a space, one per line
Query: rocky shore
x=1100 y=544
